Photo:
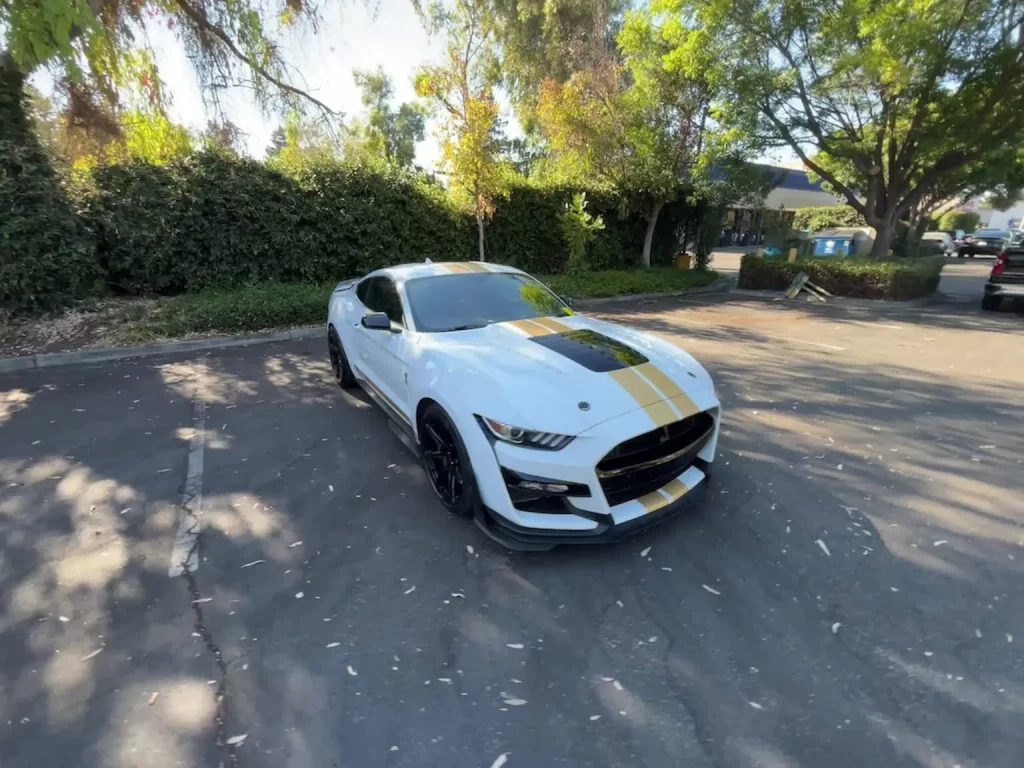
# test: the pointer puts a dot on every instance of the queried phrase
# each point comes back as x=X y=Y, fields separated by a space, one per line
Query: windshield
x=462 y=301
x=993 y=233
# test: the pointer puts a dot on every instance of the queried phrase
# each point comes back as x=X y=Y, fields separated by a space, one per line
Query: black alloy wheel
x=447 y=462
x=339 y=363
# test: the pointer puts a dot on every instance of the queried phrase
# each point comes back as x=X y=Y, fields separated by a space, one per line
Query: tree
x=278 y=141
x=384 y=133
x=305 y=140
x=967 y=221
x=462 y=91
x=640 y=125
x=93 y=50
x=551 y=40
x=897 y=106
x=222 y=136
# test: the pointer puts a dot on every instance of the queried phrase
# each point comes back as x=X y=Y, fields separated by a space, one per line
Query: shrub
x=211 y=221
x=47 y=254
x=625 y=281
x=856 y=278
x=823 y=217
x=253 y=308
x=968 y=222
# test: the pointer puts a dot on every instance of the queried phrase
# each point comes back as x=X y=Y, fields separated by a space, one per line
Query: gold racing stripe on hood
x=669 y=388
x=553 y=325
x=664 y=496
x=529 y=327
x=646 y=396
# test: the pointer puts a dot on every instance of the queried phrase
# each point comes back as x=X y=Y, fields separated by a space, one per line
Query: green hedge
x=283 y=305
x=622 y=281
x=825 y=216
x=856 y=278
x=212 y=221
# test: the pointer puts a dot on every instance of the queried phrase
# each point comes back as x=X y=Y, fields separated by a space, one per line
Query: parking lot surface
x=850 y=594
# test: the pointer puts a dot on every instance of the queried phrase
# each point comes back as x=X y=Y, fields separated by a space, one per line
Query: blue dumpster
x=830 y=245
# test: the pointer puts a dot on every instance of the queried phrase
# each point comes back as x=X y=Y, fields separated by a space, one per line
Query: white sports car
x=545 y=426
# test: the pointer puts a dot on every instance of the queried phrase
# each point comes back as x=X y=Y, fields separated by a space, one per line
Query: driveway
x=849 y=595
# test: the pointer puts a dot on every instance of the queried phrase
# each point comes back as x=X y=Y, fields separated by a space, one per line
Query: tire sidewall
x=470 y=502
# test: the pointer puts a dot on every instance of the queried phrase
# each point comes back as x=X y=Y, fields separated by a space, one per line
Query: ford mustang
x=543 y=425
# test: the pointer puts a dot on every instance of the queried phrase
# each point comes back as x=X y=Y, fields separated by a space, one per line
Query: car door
x=383 y=354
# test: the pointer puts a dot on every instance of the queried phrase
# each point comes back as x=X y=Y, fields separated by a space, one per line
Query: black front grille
x=647 y=462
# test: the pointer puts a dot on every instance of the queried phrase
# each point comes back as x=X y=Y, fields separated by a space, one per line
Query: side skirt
x=397 y=422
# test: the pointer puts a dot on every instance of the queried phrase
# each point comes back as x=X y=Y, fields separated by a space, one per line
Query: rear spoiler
x=345 y=285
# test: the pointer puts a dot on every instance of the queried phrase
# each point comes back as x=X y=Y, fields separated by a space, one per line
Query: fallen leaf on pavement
x=712 y=590
x=237 y=741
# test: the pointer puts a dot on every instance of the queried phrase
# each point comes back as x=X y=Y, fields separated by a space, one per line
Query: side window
x=390 y=303
x=363 y=290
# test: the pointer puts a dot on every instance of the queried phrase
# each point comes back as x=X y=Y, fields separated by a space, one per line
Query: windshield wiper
x=468 y=327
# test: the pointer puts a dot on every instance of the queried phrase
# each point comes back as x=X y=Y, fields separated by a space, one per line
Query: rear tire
x=339 y=362
x=443 y=448
x=991 y=303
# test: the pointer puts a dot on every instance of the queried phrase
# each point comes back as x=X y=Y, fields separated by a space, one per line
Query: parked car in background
x=1006 y=279
x=989 y=242
x=940 y=239
x=1016 y=237
x=958 y=236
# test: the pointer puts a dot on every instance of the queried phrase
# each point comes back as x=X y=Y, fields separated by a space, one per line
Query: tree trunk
x=652 y=221
x=13 y=121
x=883 y=239
x=480 y=233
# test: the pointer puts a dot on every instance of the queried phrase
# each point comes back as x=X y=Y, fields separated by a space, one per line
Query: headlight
x=551 y=441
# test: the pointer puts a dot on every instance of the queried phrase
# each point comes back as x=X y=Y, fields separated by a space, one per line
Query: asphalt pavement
x=849 y=594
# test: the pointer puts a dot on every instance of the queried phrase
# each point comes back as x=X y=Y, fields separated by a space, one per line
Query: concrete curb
x=113 y=354
x=109 y=354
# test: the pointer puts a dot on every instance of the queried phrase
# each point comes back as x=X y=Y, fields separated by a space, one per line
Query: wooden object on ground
x=803 y=283
x=792 y=254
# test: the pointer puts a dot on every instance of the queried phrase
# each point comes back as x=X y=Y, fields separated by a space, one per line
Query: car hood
x=566 y=375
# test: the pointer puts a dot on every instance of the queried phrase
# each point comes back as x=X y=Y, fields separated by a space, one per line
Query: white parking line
x=185 y=554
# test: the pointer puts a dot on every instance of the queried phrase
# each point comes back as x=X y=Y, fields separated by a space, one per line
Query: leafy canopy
x=897 y=104
x=384 y=133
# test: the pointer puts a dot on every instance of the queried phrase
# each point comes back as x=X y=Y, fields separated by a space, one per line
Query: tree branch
x=199 y=18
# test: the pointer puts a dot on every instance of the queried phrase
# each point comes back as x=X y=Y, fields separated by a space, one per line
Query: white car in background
x=941 y=238
x=544 y=426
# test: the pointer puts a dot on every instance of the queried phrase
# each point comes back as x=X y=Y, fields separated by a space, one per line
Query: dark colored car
x=989 y=242
x=1007 y=278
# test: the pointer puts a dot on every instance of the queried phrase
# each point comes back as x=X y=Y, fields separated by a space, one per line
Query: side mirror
x=566 y=299
x=376 y=321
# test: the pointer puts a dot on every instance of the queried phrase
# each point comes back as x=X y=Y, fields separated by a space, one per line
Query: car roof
x=403 y=272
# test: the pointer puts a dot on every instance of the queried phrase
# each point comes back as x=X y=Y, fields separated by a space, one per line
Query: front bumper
x=524 y=539
x=588 y=517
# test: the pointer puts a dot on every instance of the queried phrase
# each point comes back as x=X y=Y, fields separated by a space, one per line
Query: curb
x=111 y=354
x=114 y=354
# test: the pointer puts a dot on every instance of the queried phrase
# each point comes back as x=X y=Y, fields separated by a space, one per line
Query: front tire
x=339 y=362
x=446 y=462
x=991 y=303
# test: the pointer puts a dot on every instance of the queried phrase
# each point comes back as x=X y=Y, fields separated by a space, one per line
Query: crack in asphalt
x=221 y=694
